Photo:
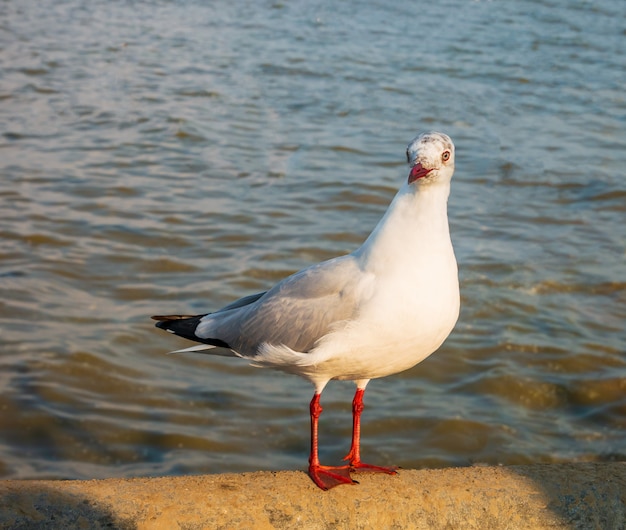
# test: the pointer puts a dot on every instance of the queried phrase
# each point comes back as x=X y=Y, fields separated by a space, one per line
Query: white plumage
x=377 y=311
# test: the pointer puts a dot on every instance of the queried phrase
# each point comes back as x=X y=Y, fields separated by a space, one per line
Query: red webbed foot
x=361 y=467
x=327 y=477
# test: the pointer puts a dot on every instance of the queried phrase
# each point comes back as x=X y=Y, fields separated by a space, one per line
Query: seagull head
x=431 y=157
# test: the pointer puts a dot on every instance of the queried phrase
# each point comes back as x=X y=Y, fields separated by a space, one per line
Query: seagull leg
x=325 y=477
x=354 y=456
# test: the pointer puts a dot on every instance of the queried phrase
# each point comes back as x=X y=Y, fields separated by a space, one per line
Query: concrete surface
x=564 y=496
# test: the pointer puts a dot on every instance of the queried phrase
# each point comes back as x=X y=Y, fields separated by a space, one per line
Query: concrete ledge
x=563 y=496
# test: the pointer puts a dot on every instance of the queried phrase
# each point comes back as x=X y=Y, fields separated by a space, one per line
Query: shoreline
x=554 y=496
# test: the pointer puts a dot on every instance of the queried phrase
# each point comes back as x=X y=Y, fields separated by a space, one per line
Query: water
x=171 y=156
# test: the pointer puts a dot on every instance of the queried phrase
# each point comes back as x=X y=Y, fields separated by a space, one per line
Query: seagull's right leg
x=354 y=456
x=325 y=477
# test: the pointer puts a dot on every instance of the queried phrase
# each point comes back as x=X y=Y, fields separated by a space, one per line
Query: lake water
x=170 y=156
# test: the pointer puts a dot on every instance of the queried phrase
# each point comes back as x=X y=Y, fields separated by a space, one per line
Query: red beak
x=418 y=172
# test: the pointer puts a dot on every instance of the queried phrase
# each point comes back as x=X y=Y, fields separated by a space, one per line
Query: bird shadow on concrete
x=26 y=506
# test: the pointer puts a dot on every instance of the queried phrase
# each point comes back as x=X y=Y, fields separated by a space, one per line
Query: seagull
x=375 y=312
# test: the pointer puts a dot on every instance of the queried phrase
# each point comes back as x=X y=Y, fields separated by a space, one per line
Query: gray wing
x=296 y=312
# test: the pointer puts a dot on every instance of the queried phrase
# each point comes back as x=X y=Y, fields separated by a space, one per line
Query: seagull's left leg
x=354 y=456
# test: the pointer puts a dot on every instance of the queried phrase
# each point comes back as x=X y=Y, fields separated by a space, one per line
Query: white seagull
x=375 y=312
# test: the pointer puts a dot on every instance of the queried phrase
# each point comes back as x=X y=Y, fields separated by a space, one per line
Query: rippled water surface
x=171 y=156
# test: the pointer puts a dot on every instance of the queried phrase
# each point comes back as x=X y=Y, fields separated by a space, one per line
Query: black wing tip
x=185 y=326
x=167 y=318
x=162 y=324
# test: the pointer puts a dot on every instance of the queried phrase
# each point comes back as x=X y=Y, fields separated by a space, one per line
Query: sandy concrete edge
x=556 y=496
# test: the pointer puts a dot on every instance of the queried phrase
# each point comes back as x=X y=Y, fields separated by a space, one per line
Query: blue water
x=172 y=156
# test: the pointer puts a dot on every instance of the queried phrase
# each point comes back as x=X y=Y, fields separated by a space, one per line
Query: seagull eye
x=408 y=158
x=445 y=156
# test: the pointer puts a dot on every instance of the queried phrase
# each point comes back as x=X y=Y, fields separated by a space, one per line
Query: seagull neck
x=415 y=218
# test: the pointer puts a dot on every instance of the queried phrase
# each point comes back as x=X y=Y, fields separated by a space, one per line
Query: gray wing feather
x=296 y=312
x=246 y=300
